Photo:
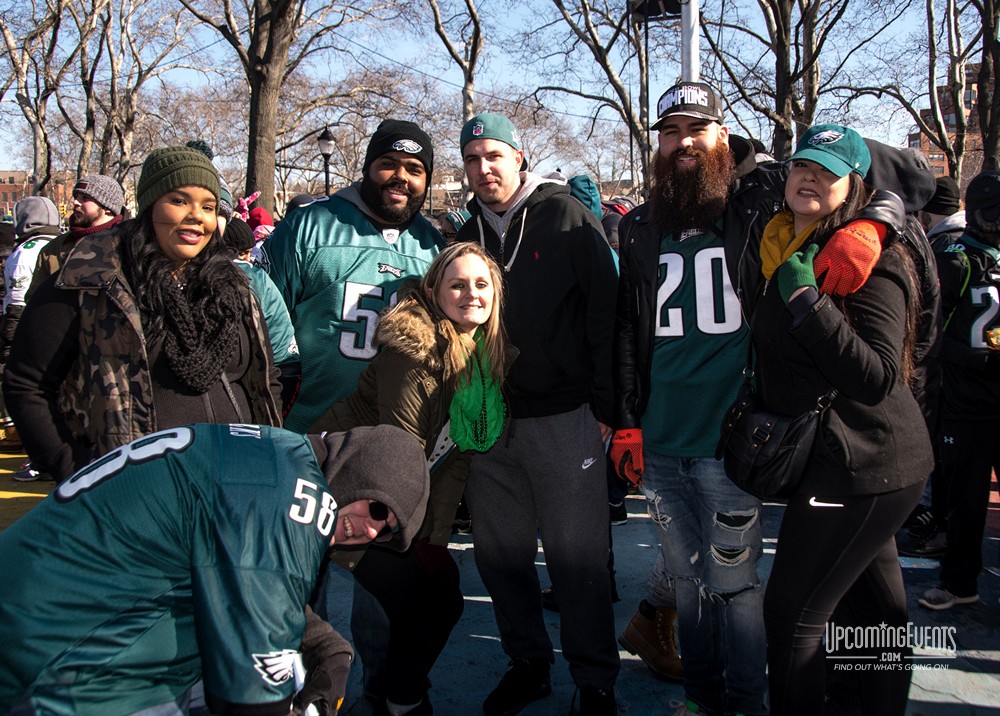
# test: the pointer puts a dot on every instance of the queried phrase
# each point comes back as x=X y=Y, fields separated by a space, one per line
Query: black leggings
x=840 y=562
x=420 y=593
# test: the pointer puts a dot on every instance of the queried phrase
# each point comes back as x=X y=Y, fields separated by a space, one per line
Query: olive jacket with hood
x=560 y=298
x=404 y=386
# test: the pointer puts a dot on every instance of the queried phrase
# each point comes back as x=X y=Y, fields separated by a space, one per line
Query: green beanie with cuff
x=168 y=168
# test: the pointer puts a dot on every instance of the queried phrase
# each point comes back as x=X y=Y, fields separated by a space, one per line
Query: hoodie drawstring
x=517 y=246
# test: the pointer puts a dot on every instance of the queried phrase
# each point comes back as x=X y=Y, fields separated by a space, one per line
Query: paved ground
x=473 y=662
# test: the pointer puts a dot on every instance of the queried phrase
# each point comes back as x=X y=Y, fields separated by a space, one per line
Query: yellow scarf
x=779 y=242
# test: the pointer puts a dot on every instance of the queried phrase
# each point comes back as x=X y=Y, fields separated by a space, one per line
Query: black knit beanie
x=238 y=236
x=167 y=168
x=382 y=463
x=395 y=135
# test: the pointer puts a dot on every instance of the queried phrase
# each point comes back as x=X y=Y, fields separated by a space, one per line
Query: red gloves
x=849 y=257
x=626 y=454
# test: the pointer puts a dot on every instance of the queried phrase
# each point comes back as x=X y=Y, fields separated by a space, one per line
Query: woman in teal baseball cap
x=836 y=566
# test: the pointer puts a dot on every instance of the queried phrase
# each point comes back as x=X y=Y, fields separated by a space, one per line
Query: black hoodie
x=560 y=302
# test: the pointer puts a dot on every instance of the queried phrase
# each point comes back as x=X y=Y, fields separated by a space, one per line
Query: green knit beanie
x=167 y=168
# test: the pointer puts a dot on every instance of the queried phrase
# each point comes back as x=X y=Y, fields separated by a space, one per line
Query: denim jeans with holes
x=710 y=537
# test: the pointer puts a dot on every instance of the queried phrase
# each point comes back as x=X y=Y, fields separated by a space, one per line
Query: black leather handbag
x=766 y=453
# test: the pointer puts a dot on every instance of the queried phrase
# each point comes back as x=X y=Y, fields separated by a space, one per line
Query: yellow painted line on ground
x=8 y=495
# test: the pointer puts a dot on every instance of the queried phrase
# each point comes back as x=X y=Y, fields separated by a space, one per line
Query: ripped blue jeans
x=710 y=536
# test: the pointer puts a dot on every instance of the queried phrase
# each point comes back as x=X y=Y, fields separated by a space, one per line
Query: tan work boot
x=652 y=640
x=11 y=441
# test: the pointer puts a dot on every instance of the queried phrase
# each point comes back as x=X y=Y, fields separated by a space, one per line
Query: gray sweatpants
x=547 y=476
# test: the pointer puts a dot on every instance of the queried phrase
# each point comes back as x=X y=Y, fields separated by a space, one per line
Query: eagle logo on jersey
x=276 y=667
x=827 y=136
x=407 y=145
x=386 y=268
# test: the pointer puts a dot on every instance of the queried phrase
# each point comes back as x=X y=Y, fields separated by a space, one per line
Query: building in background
x=973 y=160
x=15 y=185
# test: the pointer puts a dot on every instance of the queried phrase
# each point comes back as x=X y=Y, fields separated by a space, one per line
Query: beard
x=80 y=221
x=371 y=194
x=694 y=198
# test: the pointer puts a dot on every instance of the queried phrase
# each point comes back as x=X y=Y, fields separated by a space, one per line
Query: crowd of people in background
x=379 y=376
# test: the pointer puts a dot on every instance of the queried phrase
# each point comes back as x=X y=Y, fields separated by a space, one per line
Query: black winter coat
x=560 y=303
x=873 y=438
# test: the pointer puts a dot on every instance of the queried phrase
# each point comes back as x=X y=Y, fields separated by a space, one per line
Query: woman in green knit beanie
x=149 y=325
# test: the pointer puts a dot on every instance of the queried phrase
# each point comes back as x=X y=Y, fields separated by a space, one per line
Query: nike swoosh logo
x=813 y=502
x=588 y=462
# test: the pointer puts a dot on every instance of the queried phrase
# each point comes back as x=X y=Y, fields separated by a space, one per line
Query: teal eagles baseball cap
x=834 y=147
x=488 y=125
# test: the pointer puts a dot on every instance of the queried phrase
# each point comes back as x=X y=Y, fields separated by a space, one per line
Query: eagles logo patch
x=386 y=268
x=407 y=145
x=827 y=136
x=275 y=667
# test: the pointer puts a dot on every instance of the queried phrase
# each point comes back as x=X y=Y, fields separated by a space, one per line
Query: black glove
x=326 y=685
x=291 y=381
x=327 y=658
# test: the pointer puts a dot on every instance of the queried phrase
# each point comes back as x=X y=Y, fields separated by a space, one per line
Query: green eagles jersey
x=336 y=272
x=699 y=348
x=189 y=553
x=279 y=324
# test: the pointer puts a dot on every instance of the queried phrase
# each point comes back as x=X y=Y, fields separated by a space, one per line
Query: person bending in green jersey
x=190 y=554
x=340 y=260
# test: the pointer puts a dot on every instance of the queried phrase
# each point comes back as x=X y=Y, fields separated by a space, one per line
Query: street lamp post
x=326 y=143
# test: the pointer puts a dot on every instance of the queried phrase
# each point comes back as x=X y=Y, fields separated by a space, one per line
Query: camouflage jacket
x=107 y=398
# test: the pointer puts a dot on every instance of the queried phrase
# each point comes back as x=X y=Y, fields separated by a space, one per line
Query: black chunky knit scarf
x=197 y=350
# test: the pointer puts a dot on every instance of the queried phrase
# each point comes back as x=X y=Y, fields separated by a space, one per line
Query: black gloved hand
x=326 y=656
x=291 y=381
x=326 y=685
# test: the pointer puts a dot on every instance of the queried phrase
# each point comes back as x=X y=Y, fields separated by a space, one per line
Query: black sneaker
x=594 y=702
x=526 y=680
x=28 y=473
x=619 y=515
x=921 y=523
x=931 y=547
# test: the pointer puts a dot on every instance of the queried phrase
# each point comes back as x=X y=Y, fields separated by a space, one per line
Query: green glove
x=797 y=272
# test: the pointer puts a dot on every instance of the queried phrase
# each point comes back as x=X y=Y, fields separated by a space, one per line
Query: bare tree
x=33 y=49
x=892 y=73
x=464 y=50
x=272 y=39
x=605 y=157
x=779 y=62
x=92 y=19
x=989 y=99
x=614 y=40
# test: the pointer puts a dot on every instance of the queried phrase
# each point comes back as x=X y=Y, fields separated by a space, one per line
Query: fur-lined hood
x=410 y=330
